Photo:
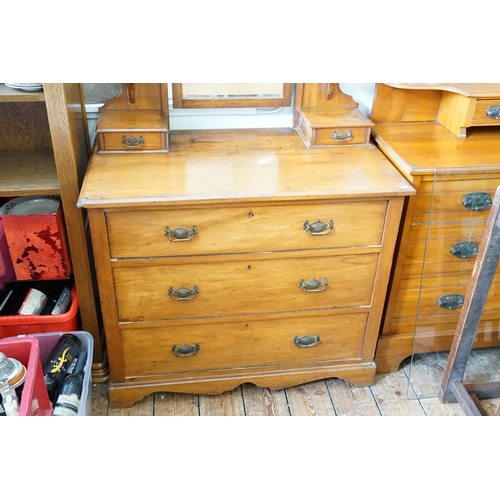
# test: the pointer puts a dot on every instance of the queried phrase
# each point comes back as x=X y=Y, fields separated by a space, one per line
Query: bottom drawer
x=221 y=344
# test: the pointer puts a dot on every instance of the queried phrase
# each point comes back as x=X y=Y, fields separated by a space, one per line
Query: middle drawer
x=216 y=286
x=204 y=231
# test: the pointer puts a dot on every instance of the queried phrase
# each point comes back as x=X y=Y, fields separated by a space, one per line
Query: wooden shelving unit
x=44 y=149
x=8 y=94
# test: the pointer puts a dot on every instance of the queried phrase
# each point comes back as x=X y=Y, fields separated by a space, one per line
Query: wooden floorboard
x=170 y=404
x=226 y=404
x=411 y=391
x=351 y=401
x=310 y=400
x=395 y=397
x=263 y=402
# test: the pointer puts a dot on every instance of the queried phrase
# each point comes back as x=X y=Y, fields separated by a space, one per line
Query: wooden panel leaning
x=452 y=389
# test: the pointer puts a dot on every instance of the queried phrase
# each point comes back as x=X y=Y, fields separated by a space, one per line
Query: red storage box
x=34 y=398
x=36 y=237
x=11 y=326
x=6 y=269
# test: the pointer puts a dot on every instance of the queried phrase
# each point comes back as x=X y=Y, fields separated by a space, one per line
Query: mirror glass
x=231 y=95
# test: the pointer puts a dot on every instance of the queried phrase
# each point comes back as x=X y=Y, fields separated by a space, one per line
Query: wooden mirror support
x=136 y=120
x=326 y=117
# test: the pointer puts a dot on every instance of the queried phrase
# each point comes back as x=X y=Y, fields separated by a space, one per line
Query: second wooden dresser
x=241 y=256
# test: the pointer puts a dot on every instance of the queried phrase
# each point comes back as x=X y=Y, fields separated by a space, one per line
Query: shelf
x=12 y=95
x=25 y=173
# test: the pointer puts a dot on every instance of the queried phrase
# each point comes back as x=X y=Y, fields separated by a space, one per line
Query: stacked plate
x=28 y=87
x=29 y=205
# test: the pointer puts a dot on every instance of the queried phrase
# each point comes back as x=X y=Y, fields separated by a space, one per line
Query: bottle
x=57 y=364
x=68 y=401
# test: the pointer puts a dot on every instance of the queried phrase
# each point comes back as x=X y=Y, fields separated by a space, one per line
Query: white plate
x=29 y=87
x=28 y=205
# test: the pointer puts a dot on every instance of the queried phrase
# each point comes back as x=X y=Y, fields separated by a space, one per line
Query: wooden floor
x=411 y=391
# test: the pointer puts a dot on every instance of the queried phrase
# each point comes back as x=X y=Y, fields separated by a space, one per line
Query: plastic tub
x=47 y=341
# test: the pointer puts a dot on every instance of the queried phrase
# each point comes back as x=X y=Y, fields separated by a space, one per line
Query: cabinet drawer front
x=481 y=116
x=245 y=229
x=132 y=141
x=336 y=136
x=425 y=325
x=427 y=301
x=435 y=256
x=263 y=341
x=455 y=198
x=243 y=286
x=456 y=225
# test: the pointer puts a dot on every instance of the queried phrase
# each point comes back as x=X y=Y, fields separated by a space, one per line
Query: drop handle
x=306 y=341
x=180 y=233
x=183 y=293
x=493 y=112
x=342 y=136
x=318 y=228
x=465 y=249
x=185 y=350
x=479 y=200
x=133 y=142
x=313 y=285
x=451 y=301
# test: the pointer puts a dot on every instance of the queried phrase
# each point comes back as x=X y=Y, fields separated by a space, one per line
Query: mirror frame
x=259 y=102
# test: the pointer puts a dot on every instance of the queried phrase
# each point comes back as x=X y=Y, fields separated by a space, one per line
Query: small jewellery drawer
x=343 y=126
x=336 y=136
x=204 y=287
x=486 y=112
x=245 y=229
x=186 y=346
x=133 y=141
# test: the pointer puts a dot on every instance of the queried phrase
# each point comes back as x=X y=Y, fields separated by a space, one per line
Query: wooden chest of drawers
x=455 y=179
x=241 y=256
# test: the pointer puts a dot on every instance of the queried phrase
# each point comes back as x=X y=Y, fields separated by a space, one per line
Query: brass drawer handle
x=183 y=293
x=451 y=301
x=307 y=340
x=313 y=285
x=180 y=233
x=477 y=201
x=185 y=350
x=343 y=136
x=318 y=228
x=133 y=142
x=465 y=249
x=493 y=112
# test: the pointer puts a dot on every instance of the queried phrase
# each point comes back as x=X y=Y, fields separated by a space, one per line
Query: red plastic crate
x=6 y=270
x=38 y=245
x=34 y=398
x=11 y=326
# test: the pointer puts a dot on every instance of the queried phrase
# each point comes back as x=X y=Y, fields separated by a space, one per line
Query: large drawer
x=435 y=256
x=261 y=341
x=456 y=195
x=148 y=233
x=426 y=301
x=455 y=225
x=146 y=291
x=489 y=325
